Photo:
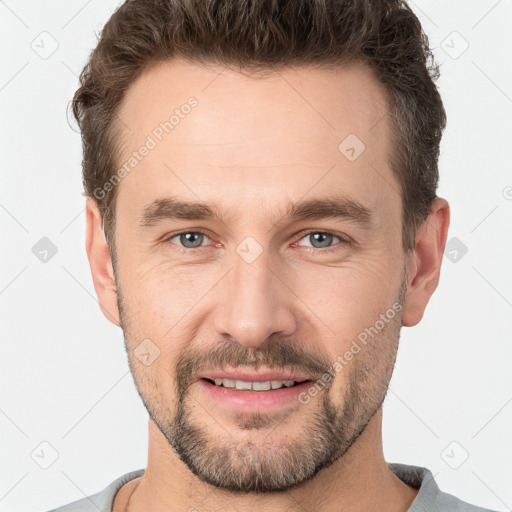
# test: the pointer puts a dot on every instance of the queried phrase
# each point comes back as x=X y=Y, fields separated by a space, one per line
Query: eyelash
x=343 y=240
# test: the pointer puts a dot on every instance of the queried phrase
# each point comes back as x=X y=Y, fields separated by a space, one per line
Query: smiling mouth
x=241 y=385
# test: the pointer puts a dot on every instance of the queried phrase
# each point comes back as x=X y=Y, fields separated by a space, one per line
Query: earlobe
x=100 y=262
x=424 y=263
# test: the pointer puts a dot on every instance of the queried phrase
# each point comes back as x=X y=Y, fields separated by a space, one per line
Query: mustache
x=275 y=354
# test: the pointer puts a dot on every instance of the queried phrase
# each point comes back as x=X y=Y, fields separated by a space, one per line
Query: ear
x=424 y=262
x=100 y=262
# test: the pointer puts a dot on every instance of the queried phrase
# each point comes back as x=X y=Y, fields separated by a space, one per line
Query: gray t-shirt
x=429 y=498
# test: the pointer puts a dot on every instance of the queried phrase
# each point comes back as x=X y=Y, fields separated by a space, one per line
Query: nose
x=254 y=303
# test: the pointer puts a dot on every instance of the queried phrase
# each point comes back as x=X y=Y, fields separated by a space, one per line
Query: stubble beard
x=262 y=463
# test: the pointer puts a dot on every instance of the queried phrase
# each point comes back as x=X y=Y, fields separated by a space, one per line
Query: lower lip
x=251 y=401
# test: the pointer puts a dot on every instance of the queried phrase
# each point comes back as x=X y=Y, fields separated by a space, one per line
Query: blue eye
x=322 y=239
x=189 y=239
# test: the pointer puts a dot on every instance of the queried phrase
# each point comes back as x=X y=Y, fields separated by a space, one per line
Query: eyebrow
x=344 y=208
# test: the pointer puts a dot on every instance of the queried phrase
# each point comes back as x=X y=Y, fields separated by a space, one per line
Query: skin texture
x=252 y=146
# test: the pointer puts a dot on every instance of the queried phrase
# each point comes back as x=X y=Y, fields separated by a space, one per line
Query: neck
x=360 y=480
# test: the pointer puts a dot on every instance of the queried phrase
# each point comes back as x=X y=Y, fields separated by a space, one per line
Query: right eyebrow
x=169 y=208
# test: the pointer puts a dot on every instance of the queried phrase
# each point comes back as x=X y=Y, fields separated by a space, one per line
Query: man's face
x=254 y=288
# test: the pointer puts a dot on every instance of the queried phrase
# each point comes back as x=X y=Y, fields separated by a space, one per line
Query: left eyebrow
x=342 y=207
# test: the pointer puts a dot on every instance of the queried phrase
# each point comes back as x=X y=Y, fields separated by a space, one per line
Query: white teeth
x=240 y=384
x=261 y=386
x=254 y=386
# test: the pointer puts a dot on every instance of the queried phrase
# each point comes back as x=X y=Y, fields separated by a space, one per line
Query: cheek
x=343 y=302
x=158 y=290
x=163 y=304
x=356 y=290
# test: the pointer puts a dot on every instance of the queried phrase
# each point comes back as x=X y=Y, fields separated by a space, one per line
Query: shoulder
x=101 y=501
x=447 y=502
x=430 y=497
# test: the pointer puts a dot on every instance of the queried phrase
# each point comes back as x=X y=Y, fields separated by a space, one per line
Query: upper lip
x=262 y=376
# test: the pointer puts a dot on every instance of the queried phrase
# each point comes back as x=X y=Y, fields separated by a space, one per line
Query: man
x=262 y=219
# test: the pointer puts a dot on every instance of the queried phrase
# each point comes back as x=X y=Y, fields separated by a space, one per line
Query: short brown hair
x=268 y=34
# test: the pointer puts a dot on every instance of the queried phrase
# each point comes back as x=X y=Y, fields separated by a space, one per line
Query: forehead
x=290 y=132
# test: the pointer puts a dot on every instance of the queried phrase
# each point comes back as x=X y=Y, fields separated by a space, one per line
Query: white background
x=64 y=376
